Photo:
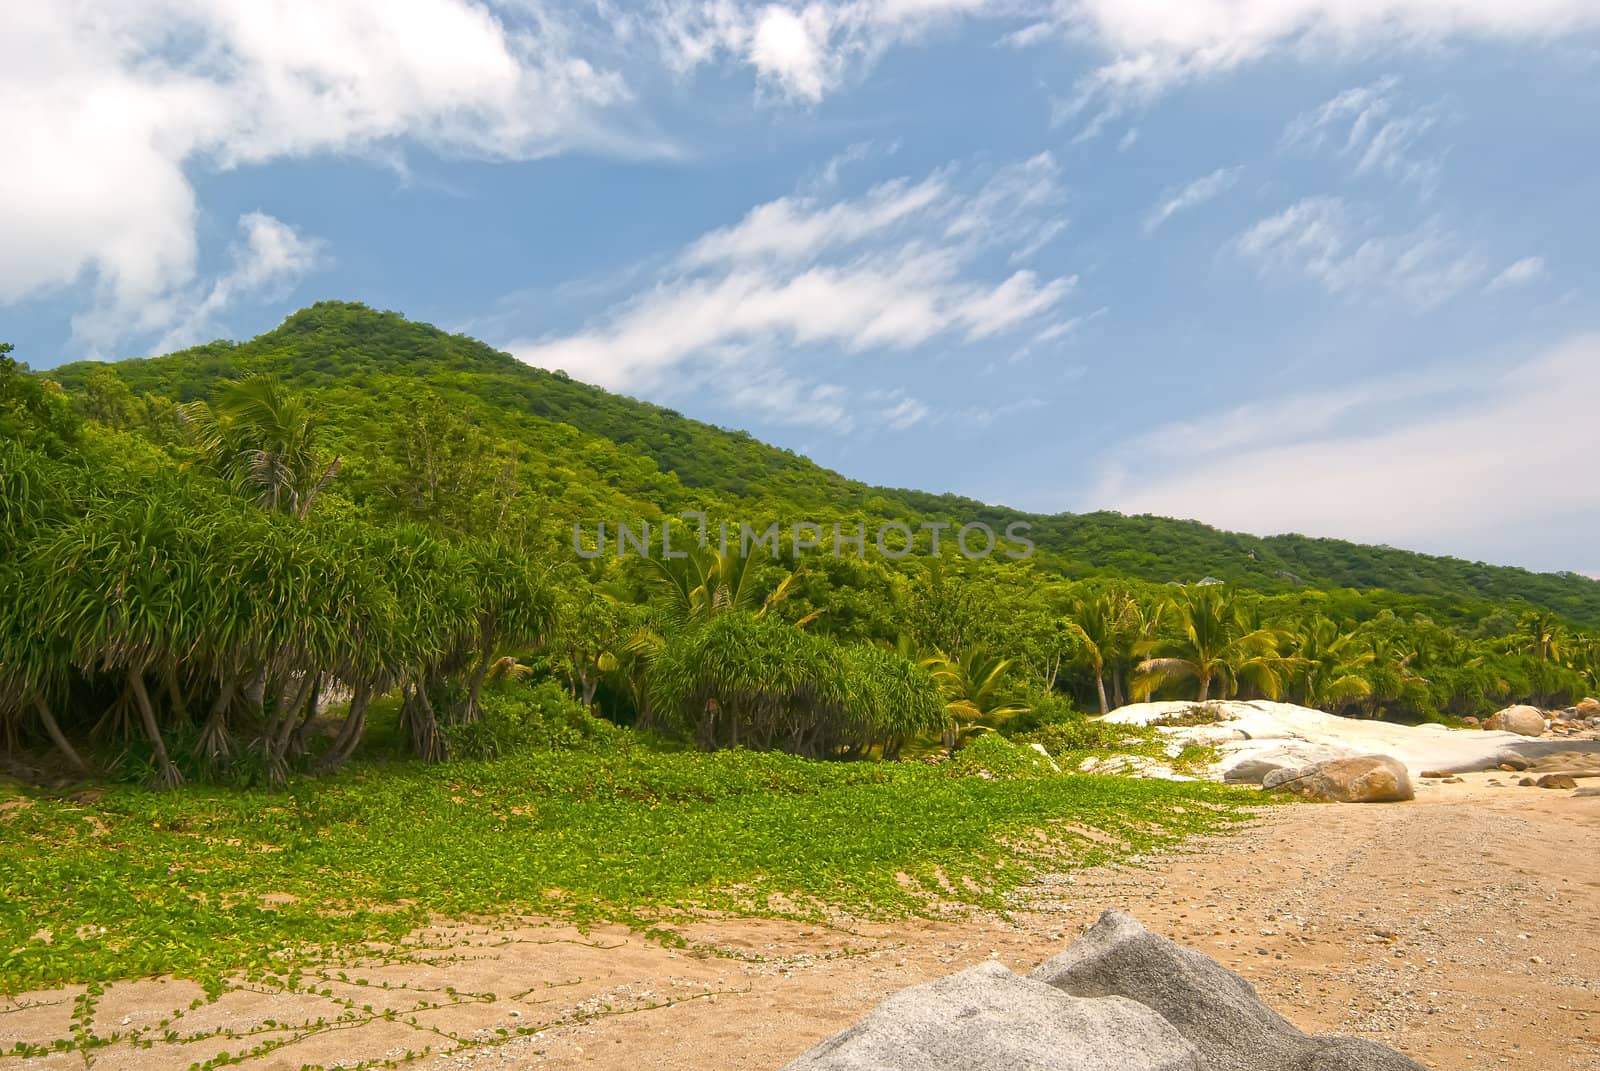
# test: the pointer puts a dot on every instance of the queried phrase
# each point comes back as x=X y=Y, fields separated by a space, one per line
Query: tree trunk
x=48 y=718
x=297 y=739
x=287 y=717
x=1205 y=687
x=166 y=773
x=427 y=743
x=180 y=709
x=213 y=742
x=321 y=485
x=475 y=689
x=255 y=693
x=1100 y=686
x=350 y=733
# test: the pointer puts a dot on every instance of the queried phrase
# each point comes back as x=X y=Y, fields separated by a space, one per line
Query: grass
x=210 y=882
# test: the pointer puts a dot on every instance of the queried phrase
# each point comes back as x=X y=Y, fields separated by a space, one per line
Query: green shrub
x=1081 y=734
x=1049 y=708
x=514 y=716
x=996 y=756
x=1199 y=714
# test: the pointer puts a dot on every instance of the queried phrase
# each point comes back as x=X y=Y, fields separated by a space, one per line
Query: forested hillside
x=203 y=554
x=362 y=363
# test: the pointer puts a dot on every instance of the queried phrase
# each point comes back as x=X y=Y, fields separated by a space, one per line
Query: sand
x=1459 y=928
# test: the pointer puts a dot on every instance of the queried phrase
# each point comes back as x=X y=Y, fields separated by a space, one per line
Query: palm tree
x=1327 y=667
x=976 y=689
x=1216 y=647
x=1107 y=628
x=1542 y=636
x=261 y=438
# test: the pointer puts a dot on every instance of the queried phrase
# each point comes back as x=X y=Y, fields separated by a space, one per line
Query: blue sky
x=1282 y=265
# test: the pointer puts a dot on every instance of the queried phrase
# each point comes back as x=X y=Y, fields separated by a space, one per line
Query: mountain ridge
x=344 y=348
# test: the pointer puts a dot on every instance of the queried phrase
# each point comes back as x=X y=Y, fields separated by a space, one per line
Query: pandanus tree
x=758 y=682
x=1214 y=648
x=889 y=700
x=35 y=671
x=743 y=680
x=35 y=493
x=125 y=587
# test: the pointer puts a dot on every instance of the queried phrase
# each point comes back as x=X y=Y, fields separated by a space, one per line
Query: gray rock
x=989 y=1019
x=1252 y=771
x=1362 y=779
x=1289 y=755
x=1215 y=1009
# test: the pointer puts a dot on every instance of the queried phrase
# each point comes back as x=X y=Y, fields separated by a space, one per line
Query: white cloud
x=1322 y=238
x=1524 y=272
x=105 y=105
x=1369 y=127
x=803 y=50
x=1154 y=44
x=1467 y=458
x=1196 y=193
x=267 y=262
x=797 y=228
x=806 y=49
x=906 y=413
x=784 y=399
x=892 y=269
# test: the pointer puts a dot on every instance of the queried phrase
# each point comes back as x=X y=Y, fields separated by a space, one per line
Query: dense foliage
x=216 y=562
x=371 y=368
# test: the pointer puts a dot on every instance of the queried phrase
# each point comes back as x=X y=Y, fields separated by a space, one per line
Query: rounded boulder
x=1362 y=779
x=1522 y=720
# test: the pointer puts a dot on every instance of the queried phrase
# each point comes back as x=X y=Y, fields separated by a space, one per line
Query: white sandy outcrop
x=1256 y=737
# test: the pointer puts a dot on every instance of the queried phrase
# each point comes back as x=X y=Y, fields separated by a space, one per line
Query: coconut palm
x=1327 y=668
x=1214 y=649
x=1106 y=626
x=1542 y=636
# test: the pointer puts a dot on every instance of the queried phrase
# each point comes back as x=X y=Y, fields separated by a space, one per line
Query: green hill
x=604 y=455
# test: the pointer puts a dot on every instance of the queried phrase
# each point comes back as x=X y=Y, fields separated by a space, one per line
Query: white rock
x=1255 y=737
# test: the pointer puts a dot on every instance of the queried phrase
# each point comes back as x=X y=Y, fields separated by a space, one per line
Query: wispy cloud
x=1192 y=195
x=1151 y=46
x=1325 y=240
x=1521 y=273
x=891 y=269
x=1373 y=130
x=1436 y=460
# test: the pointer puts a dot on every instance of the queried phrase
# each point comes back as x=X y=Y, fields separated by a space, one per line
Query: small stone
x=1556 y=780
